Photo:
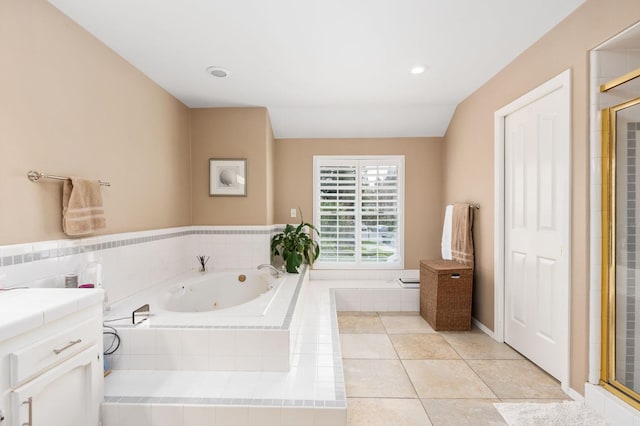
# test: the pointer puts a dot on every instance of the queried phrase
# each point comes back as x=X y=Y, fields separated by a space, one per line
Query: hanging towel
x=82 y=210
x=446 y=233
x=462 y=234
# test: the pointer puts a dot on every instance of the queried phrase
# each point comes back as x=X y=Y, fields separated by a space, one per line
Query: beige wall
x=469 y=151
x=271 y=153
x=423 y=184
x=69 y=105
x=231 y=133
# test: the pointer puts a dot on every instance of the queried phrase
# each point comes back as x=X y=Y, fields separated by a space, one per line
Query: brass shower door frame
x=608 y=378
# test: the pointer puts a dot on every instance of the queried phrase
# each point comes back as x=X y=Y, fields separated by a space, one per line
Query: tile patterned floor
x=399 y=371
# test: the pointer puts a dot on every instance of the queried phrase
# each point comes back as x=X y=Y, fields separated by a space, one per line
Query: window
x=358 y=209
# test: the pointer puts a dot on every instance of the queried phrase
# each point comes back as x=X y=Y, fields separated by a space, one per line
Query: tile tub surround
x=380 y=296
x=311 y=392
x=134 y=261
x=205 y=342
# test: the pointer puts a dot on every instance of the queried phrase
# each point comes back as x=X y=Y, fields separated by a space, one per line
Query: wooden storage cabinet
x=445 y=294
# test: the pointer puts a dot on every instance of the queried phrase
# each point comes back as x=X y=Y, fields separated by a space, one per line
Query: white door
x=537 y=200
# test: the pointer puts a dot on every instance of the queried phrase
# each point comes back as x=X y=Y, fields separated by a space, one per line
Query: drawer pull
x=29 y=402
x=71 y=343
x=455 y=276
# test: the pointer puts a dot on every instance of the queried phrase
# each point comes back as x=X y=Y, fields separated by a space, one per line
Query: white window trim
x=318 y=160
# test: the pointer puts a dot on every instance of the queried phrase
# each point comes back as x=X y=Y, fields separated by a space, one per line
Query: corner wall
x=232 y=133
x=71 y=106
x=423 y=184
x=468 y=165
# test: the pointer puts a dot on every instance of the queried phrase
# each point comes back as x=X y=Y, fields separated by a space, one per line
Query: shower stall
x=621 y=254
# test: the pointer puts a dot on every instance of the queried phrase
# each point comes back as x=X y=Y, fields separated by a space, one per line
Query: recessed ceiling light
x=218 y=72
x=418 y=69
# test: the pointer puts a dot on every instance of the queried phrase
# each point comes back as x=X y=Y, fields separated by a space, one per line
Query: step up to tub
x=310 y=392
x=182 y=398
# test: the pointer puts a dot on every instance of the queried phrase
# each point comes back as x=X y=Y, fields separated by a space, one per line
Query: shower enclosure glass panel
x=620 y=371
x=627 y=278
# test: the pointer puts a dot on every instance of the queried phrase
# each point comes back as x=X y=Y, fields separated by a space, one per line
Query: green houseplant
x=295 y=244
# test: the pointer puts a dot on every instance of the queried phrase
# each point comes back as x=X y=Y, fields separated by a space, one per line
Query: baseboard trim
x=575 y=395
x=484 y=328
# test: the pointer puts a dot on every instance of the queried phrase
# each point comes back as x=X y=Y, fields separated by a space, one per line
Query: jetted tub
x=225 y=298
x=219 y=291
x=193 y=325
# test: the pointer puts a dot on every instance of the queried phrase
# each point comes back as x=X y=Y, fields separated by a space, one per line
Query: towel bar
x=36 y=176
x=474 y=206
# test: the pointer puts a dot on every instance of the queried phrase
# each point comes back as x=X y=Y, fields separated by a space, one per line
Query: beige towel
x=462 y=234
x=82 y=210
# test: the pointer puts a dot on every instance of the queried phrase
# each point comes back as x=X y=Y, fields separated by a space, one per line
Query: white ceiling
x=330 y=68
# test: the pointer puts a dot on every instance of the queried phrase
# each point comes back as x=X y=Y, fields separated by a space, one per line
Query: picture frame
x=227 y=177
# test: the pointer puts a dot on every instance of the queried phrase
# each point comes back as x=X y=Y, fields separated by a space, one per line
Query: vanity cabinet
x=51 y=371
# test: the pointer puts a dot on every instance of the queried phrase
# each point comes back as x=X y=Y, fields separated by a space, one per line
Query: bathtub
x=250 y=293
x=219 y=321
x=224 y=298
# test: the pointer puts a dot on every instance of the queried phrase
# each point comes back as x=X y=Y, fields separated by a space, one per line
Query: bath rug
x=567 y=413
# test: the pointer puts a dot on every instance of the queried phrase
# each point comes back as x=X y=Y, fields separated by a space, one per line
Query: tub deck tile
x=308 y=385
x=314 y=386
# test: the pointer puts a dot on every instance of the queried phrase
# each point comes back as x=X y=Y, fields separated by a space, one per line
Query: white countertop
x=22 y=310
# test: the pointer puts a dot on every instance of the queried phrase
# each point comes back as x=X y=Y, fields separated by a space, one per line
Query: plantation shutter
x=358 y=211
x=379 y=211
x=338 y=206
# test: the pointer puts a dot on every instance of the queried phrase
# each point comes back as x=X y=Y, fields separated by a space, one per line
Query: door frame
x=560 y=82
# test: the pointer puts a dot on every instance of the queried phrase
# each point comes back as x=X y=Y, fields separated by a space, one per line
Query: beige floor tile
x=445 y=379
x=422 y=346
x=367 y=346
x=376 y=379
x=463 y=412
x=516 y=379
x=405 y=323
x=385 y=412
x=477 y=345
x=352 y=322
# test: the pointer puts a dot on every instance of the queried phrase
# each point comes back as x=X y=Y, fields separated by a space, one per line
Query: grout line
x=494 y=398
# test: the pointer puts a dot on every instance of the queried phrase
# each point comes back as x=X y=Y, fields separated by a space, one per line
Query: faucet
x=274 y=271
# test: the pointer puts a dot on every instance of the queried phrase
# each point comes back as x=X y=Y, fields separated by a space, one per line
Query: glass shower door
x=627 y=286
x=621 y=308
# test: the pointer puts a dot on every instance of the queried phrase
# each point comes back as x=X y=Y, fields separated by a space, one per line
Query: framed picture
x=227 y=177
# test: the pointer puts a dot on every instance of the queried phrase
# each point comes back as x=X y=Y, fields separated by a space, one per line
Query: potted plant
x=295 y=244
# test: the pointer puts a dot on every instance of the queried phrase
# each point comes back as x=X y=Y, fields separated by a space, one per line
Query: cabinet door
x=66 y=395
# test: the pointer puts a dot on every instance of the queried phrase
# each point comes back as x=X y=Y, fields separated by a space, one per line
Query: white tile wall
x=167 y=415
x=109 y=414
x=296 y=416
x=202 y=349
x=378 y=299
x=612 y=408
x=134 y=415
x=202 y=415
x=237 y=416
x=265 y=416
x=199 y=415
x=130 y=268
